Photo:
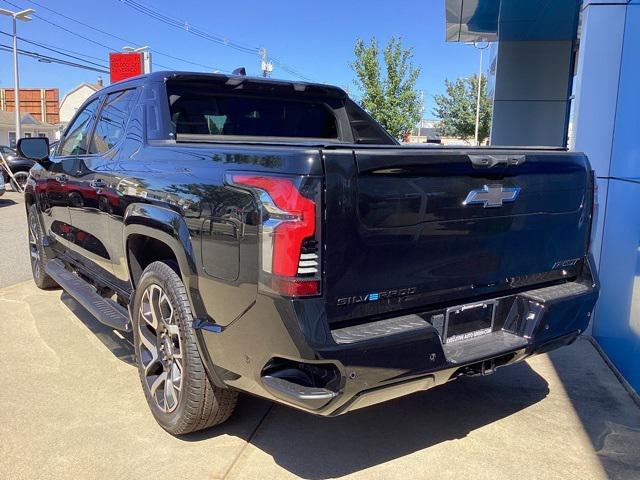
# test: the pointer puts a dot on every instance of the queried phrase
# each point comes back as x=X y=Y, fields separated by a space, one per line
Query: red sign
x=125 y=65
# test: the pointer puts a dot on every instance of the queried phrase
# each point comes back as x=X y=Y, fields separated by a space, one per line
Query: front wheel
x=173 y=378
x=37 y=252
x=19 y=181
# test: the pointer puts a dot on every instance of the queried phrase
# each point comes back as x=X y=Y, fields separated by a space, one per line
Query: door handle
x=62 y=178
x=99 y=183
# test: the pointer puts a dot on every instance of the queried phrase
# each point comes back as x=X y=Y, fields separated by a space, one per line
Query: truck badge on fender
x=491 y=196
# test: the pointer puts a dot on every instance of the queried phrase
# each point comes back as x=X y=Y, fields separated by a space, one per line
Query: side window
x=75 y=140
x=112 y=121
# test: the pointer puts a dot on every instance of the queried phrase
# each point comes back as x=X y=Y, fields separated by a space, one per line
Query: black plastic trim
x=105 y=310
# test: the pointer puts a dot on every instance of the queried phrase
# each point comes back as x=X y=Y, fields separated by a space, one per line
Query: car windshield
x=7 y=150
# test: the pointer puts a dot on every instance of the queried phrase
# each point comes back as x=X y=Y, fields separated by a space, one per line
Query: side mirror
x=34 y=148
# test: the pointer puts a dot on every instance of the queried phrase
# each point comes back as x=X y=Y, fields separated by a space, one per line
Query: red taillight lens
x=288 y=236
x=292 y=287
x=296 y=219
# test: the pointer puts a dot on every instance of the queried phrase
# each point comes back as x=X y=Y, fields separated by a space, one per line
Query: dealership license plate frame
x=459 y=311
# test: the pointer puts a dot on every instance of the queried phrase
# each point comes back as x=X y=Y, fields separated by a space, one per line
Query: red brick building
x=42 y=103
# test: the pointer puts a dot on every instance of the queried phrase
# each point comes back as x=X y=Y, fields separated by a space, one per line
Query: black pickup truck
x=270 y=237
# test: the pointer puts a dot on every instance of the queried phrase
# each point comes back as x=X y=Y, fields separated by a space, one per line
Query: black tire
x=37 y=253
x=21 y=179
x=199 y=404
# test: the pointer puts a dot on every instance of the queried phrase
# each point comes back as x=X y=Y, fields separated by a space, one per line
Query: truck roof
x=161 y=76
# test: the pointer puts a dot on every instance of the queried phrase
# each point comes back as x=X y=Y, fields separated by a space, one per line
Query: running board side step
x=104 y=309
x=309 y=397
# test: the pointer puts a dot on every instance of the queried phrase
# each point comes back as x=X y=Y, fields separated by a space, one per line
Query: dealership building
x=567 y=73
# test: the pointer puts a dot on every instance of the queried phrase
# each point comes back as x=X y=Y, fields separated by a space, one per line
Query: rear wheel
x=37 y=253
x=19 y=181
x=173 y=378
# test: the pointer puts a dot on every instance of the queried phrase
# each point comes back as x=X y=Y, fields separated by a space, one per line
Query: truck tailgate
x=407 y=228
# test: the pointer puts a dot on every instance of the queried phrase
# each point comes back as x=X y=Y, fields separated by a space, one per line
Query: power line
x=66 y=29
x=122 y=39
x=51 y=48
x=169 y=21
x=186 y=26
x=111 y=49
x=49 y=59
x=45 y=45
x=212 y=37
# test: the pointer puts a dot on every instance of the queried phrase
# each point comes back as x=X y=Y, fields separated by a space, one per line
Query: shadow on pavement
x=120 y=344
x=5 y=202
x=318 y=448
x=609 y=416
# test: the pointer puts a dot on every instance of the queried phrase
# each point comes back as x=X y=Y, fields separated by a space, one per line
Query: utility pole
x=265 y=65
x=24 y=16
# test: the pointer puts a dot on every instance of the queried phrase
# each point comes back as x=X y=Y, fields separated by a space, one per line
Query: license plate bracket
x=464 y=322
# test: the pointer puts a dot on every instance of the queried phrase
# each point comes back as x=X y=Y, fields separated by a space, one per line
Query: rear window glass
x=201 y=113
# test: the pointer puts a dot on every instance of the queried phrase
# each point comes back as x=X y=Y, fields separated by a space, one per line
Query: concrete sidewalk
x=14 y=256
x=72 y=407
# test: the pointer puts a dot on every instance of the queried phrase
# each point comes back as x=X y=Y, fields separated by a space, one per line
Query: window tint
x=209 y=114
x=112 y=121
x=76 y=138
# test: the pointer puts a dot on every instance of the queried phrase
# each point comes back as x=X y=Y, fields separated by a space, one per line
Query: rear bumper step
x=105 y=310
x=490 y=345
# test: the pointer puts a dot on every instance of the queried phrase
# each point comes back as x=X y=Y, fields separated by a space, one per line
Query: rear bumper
x=277 y=356
x=482 y=366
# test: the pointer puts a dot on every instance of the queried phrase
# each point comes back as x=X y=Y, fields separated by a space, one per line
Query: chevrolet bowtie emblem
x=491 y=196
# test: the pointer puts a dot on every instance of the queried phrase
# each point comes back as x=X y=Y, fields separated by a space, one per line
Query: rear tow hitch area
x=484 y=367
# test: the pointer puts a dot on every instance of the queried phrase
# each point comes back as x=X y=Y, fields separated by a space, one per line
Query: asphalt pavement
x=71 y=406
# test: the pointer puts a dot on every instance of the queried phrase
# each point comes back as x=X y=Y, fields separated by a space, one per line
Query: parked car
x=19 y=166
x=270 y=237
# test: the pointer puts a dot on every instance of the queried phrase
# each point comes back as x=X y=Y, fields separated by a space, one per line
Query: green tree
x=388 y=93
x=457 y=109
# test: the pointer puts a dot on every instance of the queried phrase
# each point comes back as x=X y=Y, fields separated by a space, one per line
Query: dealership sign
x=125 y=65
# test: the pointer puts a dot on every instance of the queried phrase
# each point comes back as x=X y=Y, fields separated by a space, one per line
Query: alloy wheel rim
x=34 y=252
x=21 y=180
x=160 y=348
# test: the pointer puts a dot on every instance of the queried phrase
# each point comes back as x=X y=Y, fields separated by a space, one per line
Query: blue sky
x=312 y=37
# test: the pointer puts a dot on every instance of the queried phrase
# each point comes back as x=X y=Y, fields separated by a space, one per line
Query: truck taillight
x=289 y=236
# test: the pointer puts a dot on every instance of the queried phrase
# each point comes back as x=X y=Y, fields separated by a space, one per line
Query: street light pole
x=481 y=48
x=478 y=103
x=24 y=16
x=16 y=81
